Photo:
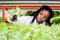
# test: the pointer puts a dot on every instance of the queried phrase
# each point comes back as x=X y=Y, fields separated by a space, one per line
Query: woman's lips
x=39 y=20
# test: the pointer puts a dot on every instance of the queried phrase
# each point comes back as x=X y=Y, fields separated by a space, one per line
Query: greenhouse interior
x=19 y=20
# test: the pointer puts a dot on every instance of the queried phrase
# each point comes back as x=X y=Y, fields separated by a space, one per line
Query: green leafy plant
x=55 y=20
x=29 y=32
x=9 y=31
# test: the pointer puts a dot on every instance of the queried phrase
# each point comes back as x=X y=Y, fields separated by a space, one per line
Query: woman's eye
x=41 y=14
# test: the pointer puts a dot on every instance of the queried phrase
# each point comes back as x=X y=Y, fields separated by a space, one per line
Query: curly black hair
x=44 y=7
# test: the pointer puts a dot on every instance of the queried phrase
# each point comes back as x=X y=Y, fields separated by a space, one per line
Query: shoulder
x=25 y=19
x=49 y=24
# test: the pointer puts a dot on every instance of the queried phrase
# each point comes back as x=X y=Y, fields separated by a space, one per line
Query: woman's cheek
x=38 y=18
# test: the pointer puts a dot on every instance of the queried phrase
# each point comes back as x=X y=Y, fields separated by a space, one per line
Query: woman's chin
x=39 y=21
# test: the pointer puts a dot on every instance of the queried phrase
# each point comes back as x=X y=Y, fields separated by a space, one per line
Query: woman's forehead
x=45 y=12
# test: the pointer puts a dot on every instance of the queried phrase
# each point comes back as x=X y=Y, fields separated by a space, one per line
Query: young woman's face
x=42 y=16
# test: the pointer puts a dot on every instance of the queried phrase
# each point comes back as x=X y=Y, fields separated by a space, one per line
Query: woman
x=42 y=15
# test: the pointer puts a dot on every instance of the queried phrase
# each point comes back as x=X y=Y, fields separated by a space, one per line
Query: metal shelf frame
x=55 y=5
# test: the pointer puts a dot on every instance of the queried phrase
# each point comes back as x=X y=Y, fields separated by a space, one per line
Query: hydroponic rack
x=27 y=5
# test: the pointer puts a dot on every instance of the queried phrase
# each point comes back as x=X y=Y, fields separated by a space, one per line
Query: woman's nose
x=42 y=16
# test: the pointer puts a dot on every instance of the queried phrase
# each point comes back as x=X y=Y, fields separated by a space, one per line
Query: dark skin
x=42 y=16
